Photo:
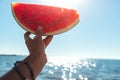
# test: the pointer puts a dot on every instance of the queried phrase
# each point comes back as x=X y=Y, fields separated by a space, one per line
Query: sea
x=70 y=68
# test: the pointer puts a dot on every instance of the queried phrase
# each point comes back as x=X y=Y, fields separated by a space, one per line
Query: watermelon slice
x=53 y=20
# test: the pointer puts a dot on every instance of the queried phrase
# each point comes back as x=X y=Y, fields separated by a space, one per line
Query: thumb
x=38 y=33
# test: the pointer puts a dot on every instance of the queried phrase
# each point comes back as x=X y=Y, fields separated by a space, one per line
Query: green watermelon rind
x=67 y=28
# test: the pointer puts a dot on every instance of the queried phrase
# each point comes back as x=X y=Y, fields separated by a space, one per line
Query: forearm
x=11 y=75
x=35 y=61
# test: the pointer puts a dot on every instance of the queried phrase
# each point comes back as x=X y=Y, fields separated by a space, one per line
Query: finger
x=26 y=36
x=47 y=40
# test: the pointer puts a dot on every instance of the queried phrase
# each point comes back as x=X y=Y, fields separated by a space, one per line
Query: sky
x=97 y=35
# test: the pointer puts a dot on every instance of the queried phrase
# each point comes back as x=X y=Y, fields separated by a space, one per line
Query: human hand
x=37 y=45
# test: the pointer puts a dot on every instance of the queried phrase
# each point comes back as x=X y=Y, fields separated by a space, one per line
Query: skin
x=36 y=59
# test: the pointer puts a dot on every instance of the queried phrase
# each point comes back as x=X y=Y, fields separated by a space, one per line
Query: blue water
x=68 y=68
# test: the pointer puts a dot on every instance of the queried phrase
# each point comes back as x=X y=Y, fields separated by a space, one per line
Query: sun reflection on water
x=69 y=68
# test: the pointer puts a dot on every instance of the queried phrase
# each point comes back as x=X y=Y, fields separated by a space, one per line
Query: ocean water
x=70 y=68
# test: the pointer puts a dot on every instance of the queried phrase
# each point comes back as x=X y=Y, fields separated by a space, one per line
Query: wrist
x=23 y=71
x=37 y=62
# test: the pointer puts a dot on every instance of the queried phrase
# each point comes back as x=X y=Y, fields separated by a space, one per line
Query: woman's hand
x=37 y=45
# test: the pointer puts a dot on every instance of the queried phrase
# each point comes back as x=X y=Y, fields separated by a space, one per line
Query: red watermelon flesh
x=53 y=20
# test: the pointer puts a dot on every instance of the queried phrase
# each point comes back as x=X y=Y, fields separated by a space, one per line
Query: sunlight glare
x=63 y=61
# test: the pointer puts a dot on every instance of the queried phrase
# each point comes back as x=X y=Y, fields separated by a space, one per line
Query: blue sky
x=96 y=36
